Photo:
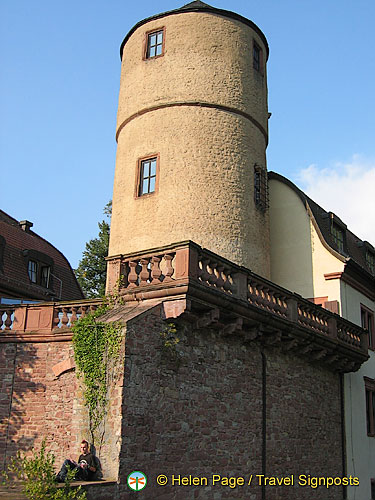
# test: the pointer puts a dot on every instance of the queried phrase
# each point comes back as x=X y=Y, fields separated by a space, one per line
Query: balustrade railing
x=45 y=316
x=152 y=269
x=190 y=262
x=313 y=317
x=214 y=273
x=351 y=334
x=163 y=271
x=262 y=295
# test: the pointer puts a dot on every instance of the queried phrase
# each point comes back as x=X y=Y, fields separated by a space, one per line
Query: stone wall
x=204 y=415
x=194 y=409
x=40 y=392
x=41 y=404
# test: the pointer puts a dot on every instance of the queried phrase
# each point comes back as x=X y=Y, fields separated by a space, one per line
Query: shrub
x=37 y=476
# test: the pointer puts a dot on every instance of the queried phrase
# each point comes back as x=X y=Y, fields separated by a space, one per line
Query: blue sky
x=60 y=69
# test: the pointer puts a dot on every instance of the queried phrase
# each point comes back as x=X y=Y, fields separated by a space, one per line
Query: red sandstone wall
x=201 y=418
x=42 y=405
x=206 y=417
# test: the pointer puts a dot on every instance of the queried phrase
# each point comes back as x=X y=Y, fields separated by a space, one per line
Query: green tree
x=92 y=268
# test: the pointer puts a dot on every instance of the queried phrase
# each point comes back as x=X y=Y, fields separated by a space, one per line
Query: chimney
x=26 y=225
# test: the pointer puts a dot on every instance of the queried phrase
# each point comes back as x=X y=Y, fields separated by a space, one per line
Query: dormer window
x=33 y=270
x=337 y=229
x=155 y=44
x=39 y=267
x=338 y=236
x=44 y=276
x=370 y=261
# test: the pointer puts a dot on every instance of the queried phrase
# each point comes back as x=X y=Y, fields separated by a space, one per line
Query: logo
x=137 y=480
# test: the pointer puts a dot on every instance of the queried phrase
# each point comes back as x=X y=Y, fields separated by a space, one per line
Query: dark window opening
x=338 y=236
x=155 y=44
x=370 y=261
x=257 y=58
x=44 y=276
x=260 y=188
x=367 y=321
x=370 y=405
x=33 y=271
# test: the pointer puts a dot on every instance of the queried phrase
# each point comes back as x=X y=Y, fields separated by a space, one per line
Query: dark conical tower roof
x=198 y=6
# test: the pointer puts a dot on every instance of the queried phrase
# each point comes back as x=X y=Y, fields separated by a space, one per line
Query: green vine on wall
x=96 y=347
x=169 y=343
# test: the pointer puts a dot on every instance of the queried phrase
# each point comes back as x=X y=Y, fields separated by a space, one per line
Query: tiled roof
x=354 y=247
x=14 y=275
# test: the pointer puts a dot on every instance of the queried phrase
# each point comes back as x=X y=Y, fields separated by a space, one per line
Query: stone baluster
x=169 y=268
x=228 y=286
x=64 y=318
x=132 y=276
x=145 y=272
x=220 y=281
x=83 y=311
x=56 y=319
x=155 y=270
x=74 y=316
x=212 y=279
x=205 y=275
x=8 y=320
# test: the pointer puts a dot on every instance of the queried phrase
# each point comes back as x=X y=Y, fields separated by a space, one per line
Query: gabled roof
x=354 y=248
x=17 y=245
x=198 y=6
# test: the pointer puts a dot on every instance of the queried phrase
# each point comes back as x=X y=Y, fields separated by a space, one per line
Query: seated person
x=84 y=469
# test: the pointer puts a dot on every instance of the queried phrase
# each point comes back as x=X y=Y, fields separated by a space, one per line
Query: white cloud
x=348 y=190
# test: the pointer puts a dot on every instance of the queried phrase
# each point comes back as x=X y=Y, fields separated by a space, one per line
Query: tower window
x=33 y=270
x=155 y=44
x=257 y=58
x=147 y=176
x=260 y=188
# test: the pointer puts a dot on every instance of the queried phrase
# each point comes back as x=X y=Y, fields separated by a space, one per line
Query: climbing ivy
x=96 y=352
x=169 y=341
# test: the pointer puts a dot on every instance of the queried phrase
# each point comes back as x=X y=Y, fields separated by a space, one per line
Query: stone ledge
x=13 y=492
x=99 y=482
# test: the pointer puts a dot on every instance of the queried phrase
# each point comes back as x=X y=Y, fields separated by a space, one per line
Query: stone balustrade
x=44 y=317
x=188 y=263
x=186 y=268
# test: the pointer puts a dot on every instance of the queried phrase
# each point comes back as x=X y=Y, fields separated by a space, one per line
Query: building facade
x=314 y=254
x=224 y=374
x=31 y=269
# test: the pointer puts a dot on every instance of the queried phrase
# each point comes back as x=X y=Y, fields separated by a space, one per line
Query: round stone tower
x=192 y=135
